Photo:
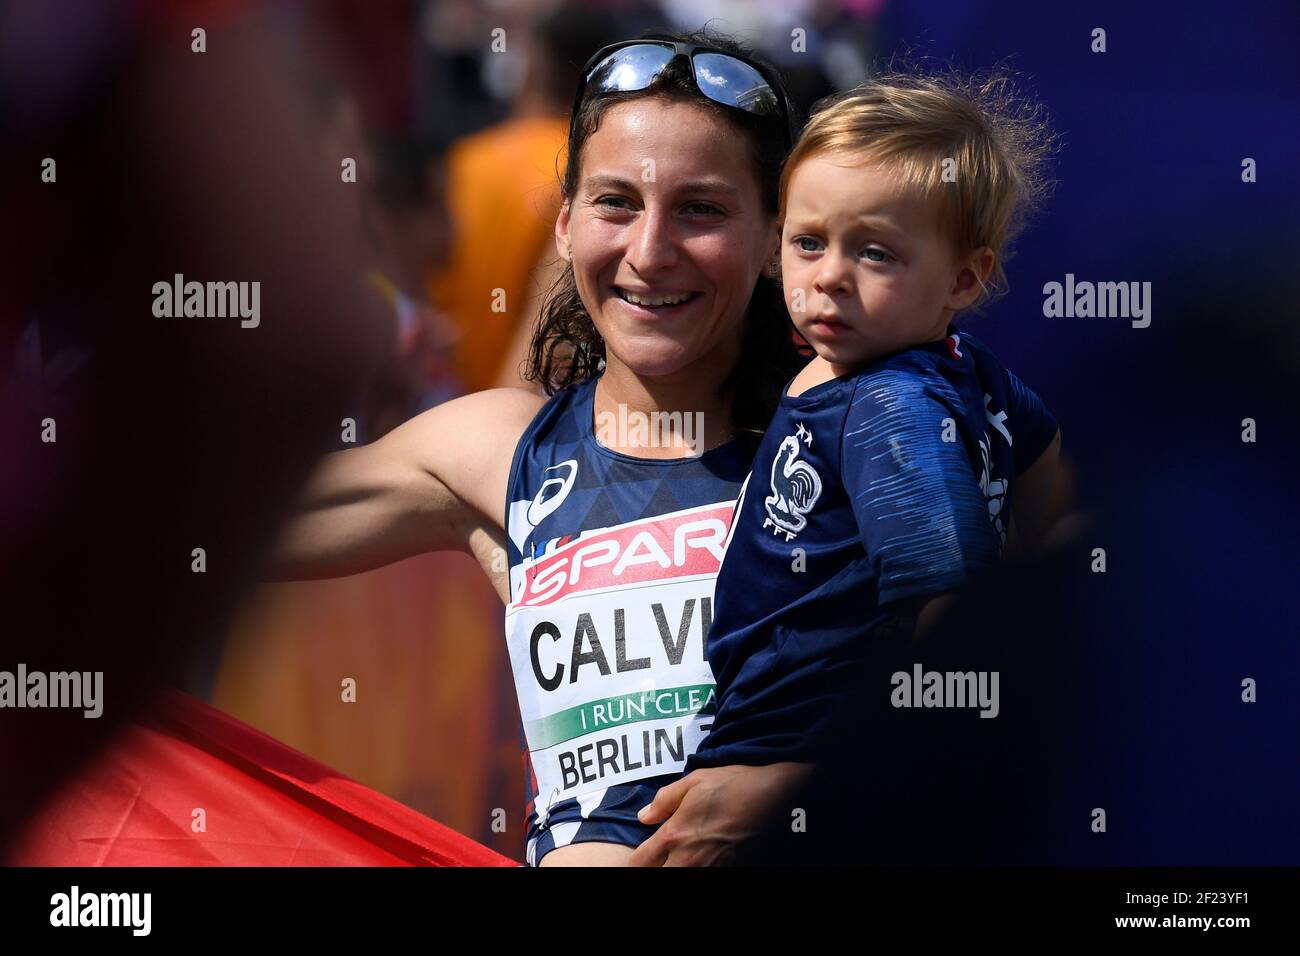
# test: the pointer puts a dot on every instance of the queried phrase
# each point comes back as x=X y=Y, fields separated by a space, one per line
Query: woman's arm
x=437 y=482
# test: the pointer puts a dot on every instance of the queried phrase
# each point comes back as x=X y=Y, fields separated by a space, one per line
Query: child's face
x=866 y=270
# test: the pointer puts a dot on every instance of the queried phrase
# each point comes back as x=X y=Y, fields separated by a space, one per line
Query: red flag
x=261 y=803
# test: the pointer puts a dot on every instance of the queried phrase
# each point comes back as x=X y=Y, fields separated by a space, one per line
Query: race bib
x=607 y=638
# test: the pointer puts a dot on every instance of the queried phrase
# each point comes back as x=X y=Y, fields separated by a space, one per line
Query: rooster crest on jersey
x=796 y=486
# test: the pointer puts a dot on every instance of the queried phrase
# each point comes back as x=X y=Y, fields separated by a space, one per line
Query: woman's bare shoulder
x=495 y=416
x=508 y=407
x=468 y=443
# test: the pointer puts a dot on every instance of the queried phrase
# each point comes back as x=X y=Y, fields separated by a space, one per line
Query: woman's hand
x=711 y=812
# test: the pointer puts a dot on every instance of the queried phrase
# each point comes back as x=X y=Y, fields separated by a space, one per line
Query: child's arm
x=1031 y=498
x=923 y=519
x=932 y=610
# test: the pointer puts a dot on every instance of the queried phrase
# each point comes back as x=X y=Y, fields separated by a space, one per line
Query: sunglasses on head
x=723 y=77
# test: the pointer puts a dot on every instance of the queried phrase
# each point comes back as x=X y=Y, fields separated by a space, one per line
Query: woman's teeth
x=652 y=301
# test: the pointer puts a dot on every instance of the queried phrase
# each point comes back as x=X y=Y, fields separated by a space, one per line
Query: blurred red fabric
x=264 y=804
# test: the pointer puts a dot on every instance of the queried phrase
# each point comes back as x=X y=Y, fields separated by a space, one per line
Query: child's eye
x=807 y=244
x=876 y=255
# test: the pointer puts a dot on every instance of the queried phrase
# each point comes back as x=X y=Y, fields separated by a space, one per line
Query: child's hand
x=711 y=812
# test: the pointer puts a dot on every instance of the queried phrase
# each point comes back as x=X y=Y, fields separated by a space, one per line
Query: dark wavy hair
x=566 y=348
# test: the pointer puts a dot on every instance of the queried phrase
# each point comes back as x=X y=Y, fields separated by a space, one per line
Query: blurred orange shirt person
x=504 y=194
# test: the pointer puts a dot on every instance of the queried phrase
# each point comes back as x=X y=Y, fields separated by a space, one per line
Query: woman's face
x=667 y=235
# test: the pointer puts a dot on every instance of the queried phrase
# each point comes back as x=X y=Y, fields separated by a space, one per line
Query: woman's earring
x=774 y=268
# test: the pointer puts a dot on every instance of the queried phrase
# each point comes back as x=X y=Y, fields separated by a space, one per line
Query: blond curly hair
x=997 y=144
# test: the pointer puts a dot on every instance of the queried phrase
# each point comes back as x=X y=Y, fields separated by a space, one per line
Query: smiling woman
x=679 y=187
x=670 y=262
x=667 y=229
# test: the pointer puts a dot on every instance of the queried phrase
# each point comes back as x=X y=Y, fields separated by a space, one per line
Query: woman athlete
x=603 y=547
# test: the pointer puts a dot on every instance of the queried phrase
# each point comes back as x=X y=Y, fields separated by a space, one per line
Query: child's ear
x=562 y=243
x=969 y=283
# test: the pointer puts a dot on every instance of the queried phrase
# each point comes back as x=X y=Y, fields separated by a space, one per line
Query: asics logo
x=539 y=509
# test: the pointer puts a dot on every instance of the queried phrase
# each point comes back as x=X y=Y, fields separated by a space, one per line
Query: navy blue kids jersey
x=612 y=563
x=867 y=490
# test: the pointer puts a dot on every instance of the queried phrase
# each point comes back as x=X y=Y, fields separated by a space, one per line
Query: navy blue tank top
x=612 y=561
